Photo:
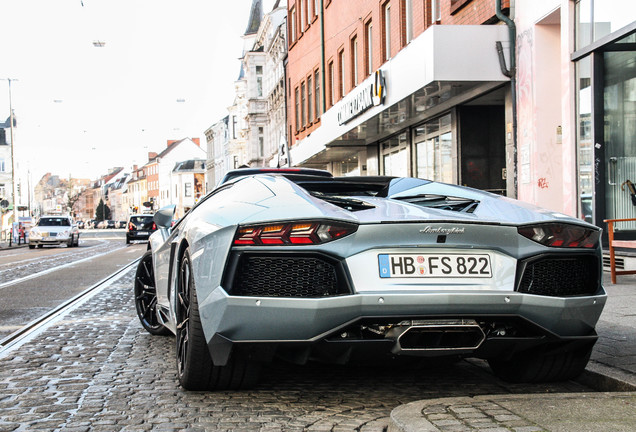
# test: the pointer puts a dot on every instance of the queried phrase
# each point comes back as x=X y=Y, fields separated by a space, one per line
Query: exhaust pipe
x=436 y=337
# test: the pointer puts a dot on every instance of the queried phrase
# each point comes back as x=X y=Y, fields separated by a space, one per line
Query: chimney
x=197 y=141
x=170 y=142
x=135 y=167
x=151 y=156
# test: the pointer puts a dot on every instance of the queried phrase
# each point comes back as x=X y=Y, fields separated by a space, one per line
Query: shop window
x=395 y=157
x=433 y=146
x=596 y=19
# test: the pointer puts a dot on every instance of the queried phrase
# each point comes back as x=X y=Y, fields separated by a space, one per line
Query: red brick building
x=401 y=87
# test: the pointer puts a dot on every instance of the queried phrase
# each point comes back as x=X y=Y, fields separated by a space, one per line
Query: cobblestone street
x=97 y=369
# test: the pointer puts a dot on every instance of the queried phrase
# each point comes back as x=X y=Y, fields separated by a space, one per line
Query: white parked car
x=54 y=230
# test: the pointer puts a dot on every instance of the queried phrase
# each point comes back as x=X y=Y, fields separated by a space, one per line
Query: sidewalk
x=5 y=245
x=612 y=371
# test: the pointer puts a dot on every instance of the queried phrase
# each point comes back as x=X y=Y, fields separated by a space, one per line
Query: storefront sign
x=362 y=98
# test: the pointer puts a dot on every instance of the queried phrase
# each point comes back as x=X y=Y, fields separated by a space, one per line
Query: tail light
x=154 y=226
x=131 y=226
x=292 y=233
x=561 y=235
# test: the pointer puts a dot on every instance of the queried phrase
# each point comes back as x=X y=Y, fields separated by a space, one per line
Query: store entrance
x=482 y=147
x=620 y=138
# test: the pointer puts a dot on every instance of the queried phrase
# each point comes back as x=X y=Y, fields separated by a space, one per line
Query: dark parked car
x=313 y=267
x=140 y=226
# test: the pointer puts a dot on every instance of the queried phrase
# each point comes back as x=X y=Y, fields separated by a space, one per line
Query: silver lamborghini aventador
x=299 y=265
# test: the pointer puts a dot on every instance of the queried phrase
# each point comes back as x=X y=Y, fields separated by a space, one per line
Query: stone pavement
x=95 y=369
x=612 y=369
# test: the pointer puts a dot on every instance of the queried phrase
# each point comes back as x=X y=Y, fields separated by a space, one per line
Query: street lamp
x=11 y=120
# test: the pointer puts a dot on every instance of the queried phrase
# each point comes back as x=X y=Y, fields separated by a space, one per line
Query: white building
x=219 y=160
x=271 y=38
x=177 y=151
x=188 y=182
x=255 y=127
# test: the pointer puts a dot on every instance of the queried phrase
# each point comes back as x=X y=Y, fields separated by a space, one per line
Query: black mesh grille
x=286 y=276
x=561 y=277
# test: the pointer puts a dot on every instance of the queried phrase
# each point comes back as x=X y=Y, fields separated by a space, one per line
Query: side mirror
x=163 y=217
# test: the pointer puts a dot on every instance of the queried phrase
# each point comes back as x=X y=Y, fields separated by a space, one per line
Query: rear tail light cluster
x=132 y=226
x=561 y=235
x=292 y=233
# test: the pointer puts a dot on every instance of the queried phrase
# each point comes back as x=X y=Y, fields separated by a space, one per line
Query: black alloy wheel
x=195 y=368
x=146 y=297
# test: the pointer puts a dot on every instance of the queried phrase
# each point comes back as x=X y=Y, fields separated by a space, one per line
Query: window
x=433 y=145
x=309 y=94
x=436 y=11
x=297 y=111
x=341 y=66
x=368 y=43
x=259 y=81
x=292 y=25
x=188 y=189
x=261 y=141
x=317 y=94
x=310 y=12
x=406 y=18
x=354 y=61
x=234 y=127
x=2 y=168
x=303 y=15
x=386 y=31
x=316 y=7
x=303 y=104
x=332 y=84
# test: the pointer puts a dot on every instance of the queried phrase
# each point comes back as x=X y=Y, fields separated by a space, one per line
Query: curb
x=517 y=412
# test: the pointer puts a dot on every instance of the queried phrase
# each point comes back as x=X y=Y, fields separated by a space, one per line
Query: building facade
x=401 y=87
x=188 y=180
x=219 y=160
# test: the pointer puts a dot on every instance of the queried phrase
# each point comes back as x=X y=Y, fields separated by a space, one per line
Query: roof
x=190 y=165
x=256 y=15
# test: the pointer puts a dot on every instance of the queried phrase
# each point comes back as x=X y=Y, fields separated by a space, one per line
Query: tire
x=146 y=297
x=538 y=366
x=127 y=240
x=31 y=246
x=77 y=242
x=40 y=246
x=195 y=368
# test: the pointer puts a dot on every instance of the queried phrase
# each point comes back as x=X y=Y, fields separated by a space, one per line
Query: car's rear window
x=54 y=222
x=142 y=222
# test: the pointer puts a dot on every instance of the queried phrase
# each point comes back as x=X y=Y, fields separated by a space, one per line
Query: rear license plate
x=434 y=265
x=142 y=233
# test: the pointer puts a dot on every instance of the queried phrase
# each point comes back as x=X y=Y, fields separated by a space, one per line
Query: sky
x=166 y=71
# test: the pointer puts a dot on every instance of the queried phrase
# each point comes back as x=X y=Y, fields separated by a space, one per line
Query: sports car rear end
x=396 y=277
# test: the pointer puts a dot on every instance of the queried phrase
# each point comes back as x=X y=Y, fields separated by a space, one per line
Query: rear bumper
x=270 y=324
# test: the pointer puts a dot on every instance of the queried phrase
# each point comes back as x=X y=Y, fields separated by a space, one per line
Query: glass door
x=619 y=132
